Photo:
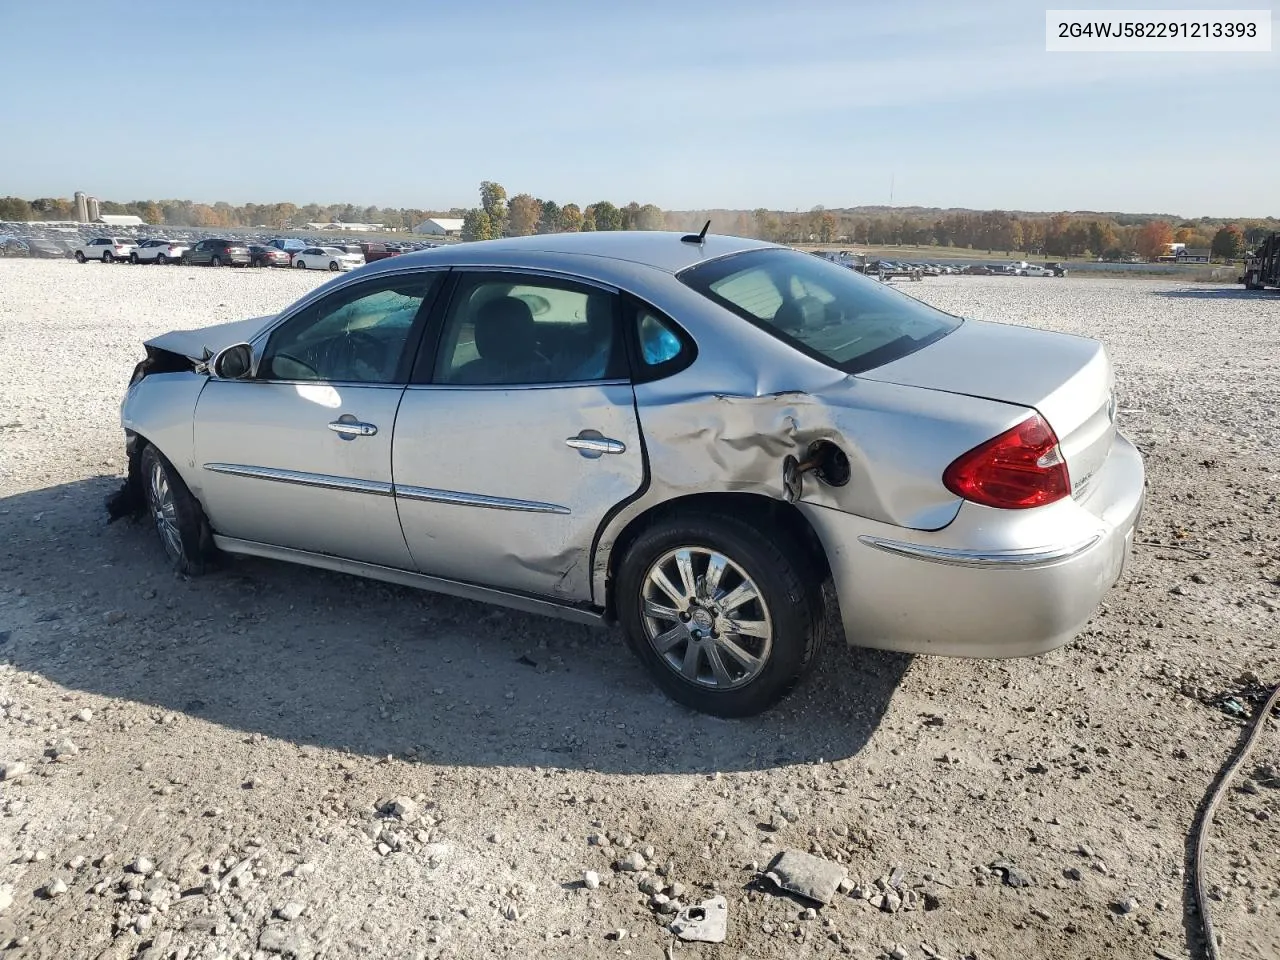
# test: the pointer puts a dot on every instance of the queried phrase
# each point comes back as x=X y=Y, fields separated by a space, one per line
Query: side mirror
x=233 y=362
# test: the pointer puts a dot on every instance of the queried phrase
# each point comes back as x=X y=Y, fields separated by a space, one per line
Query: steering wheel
x=342 y=354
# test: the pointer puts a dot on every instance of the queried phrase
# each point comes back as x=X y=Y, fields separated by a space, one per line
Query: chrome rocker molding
x=380 y=489
x=407 y=578
x=477 y=500
x=998 y=559
x=303 y=479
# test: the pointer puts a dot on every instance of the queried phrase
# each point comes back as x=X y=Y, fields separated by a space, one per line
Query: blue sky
x=687 y=105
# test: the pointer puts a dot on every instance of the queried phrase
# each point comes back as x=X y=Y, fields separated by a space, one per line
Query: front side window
x=826 y=311
x=357 y=335
x=515 y=330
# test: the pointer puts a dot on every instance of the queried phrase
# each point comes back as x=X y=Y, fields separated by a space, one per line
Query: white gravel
x=336 y=700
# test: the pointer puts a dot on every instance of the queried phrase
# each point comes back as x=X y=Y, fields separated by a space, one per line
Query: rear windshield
x=827 y=311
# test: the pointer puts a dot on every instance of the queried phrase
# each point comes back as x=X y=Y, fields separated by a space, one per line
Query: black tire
x=106 y=256
x=133 y=257
x=1251 y=282
x=787 y=582
x=80 y=257
x=215 y=262
x=333 y=266
x=300 y=264
x=161 y=259
x=191 y=551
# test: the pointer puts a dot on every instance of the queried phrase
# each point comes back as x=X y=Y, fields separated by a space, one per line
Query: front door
x=518 y=437
x=299 y=454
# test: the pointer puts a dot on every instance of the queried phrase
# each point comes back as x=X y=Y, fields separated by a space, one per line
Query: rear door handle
x=591 y=444
x=350 y=429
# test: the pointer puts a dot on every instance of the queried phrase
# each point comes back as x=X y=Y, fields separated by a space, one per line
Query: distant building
x=82 y=206
x=120 y=220
x=1194 y=255
x=92 y=209
x=441 y=227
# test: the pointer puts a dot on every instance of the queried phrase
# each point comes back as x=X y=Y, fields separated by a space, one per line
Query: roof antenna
x=697 y=238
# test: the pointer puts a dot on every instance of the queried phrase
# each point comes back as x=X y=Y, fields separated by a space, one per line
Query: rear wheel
x=106 y=256
x=177 y=515
x=300 y=264
x=133 y=257
x=726 y=616
x=161 y=258
x=215 y=262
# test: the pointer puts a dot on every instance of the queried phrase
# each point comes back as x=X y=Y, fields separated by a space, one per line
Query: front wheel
x=177 y=515
x=333 y=266
x=80 y=258
x=726 y=616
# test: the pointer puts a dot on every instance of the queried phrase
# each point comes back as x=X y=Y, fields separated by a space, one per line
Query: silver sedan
x=688 y=436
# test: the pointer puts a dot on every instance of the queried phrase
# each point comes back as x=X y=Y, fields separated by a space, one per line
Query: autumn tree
x=1153 y=239
x=651 y=217
x=570 y=218
x=1228 y=242
x=606 y=216
x=477 y=225
x=827 y=227
x=493 y=201
x=523 y=214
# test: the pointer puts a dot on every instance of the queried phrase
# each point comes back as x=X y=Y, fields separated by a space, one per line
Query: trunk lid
x=1067 y=379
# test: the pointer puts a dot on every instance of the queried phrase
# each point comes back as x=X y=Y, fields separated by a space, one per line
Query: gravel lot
x=207 y=761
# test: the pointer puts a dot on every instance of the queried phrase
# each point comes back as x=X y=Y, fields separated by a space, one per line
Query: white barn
x=441 y=227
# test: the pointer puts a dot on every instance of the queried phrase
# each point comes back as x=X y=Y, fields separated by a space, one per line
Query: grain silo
x=82 y=207
x=94 y=212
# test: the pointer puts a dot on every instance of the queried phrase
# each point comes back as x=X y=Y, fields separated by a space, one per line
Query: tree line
x=1112 y=236
x=525 y=214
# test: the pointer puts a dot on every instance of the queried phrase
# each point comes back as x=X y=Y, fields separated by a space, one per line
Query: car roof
x=660 y=249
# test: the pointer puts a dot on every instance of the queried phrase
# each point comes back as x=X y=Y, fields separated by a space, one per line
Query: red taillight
x=1023 y=467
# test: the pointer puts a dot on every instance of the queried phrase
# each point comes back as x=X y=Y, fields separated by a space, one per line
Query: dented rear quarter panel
x=727 y=423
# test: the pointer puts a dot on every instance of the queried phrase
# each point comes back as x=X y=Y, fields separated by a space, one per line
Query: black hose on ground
x=1206 y=821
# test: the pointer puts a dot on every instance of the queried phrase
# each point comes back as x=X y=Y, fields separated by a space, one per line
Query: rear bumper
x=993 y=583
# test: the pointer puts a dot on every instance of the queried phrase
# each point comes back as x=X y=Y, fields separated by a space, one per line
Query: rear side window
x=829 y=312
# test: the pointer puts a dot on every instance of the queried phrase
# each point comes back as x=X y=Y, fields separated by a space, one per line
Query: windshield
x=828 y=311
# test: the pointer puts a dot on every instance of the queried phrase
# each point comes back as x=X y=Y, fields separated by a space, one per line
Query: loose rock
x=591 y=880
x=633 y=862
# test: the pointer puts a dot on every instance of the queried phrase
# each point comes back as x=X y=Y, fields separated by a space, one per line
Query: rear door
x=517 y=435
x=299 y=454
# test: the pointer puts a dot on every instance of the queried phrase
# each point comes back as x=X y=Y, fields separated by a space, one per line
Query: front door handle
x=348 y=428
x=592 y=444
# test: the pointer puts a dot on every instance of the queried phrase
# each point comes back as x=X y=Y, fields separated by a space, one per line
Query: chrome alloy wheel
x=164 y=510
x=706 y=618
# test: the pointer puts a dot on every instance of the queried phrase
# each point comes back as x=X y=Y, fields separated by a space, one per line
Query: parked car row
x=231 y=252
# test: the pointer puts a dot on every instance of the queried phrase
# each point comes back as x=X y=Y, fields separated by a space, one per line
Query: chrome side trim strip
x=350 y=484
x=477 y=500
x=1006 y=559
x=408 y=578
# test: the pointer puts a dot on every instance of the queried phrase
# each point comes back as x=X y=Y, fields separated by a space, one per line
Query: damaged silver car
x=688 y=436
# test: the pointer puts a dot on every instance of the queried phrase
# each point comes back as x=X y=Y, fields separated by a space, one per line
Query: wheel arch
x=758 y=508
